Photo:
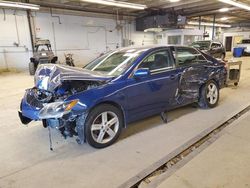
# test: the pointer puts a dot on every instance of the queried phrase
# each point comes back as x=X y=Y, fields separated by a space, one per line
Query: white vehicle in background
x=245 y=43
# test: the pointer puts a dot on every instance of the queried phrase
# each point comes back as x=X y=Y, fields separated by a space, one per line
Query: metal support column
x=30 y=29
x=199 y=22
x=213 y=34
x=204 y=32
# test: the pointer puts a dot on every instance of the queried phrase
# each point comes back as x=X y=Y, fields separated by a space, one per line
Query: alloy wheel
x=212 y=93
x=105 y=127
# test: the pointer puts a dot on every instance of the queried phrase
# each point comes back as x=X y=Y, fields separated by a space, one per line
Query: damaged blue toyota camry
x=94 y=103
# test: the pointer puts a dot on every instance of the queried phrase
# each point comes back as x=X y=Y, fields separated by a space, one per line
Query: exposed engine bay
x=54 y=84
x=67 y=123
x=71 y=87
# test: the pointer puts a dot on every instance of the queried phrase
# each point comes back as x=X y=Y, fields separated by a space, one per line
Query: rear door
x=192 y=69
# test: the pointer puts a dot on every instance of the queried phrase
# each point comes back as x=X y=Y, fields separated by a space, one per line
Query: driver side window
x=157 y=60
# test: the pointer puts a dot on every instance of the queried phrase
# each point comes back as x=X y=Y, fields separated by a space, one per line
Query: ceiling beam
x=187 y=4
x=209 y=12
x=80 y=8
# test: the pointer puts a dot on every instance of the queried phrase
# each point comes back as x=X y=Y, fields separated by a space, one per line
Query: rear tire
x=223 y=56
x=103 y=125
x=32 y=68
x=209 y=95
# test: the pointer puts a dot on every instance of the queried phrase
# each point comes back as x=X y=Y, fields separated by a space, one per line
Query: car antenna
x=50 y=140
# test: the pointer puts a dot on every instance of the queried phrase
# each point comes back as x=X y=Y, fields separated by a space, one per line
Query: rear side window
x=157 y=60
x=215 y=45
x=186 y=56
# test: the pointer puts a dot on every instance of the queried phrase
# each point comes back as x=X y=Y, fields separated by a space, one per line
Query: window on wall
x=189 y=39
x=158 y=36
x=245 y=41
x=174 y=39
x=186 y=56
x=157 y=60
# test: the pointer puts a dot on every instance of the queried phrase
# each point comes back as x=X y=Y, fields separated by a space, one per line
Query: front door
x=152 y=94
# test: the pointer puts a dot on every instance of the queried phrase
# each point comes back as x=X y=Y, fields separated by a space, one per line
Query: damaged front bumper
x=33 y=109
x=68 y=116
x=23 y=119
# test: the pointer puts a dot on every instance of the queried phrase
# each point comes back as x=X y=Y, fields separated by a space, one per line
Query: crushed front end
x=54 y=111
x=54 y=99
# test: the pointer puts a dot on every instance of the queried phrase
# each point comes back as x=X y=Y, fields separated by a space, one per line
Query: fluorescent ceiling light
x=224 y=10
x=156 y=30
x=236 y=4
x=117 y=4
x=19 y=5
x=174 y=1
x=208 y=24
x=224 y=18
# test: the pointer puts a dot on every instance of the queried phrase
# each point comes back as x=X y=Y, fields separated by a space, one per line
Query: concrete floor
x=225 y=163
x=26 y=160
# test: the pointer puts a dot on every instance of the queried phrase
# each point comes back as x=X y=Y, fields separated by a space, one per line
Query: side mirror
x=142 y=73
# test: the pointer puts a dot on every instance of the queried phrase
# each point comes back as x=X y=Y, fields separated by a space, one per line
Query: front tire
x=209 y=95
x=103 y=125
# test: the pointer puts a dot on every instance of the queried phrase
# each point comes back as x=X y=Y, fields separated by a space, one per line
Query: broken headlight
x=56 y=109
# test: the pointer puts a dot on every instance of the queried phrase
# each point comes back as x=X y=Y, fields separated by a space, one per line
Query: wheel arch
x=202 y=101
x=224 y=53
x=117 y=105
x=216 y=81
x=203 y=84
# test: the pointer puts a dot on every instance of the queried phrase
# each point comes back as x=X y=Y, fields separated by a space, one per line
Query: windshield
x=114 y=63
x=202 y=45
x=42 y=48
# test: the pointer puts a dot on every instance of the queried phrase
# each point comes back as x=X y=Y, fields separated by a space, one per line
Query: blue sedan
x=94 y=103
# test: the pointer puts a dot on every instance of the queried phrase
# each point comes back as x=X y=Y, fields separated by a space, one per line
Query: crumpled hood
x=50 y=76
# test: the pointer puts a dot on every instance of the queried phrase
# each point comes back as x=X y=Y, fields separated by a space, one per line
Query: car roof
x=216 y=41
x=148 y=47
x=203 y=41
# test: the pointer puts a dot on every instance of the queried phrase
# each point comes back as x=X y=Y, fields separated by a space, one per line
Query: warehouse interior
x=184 y=147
